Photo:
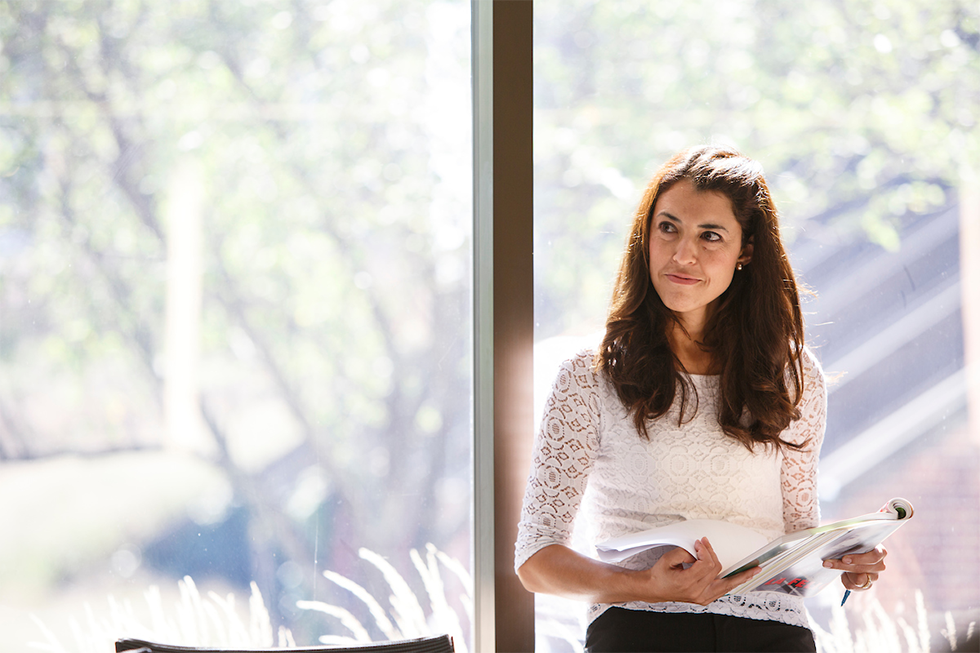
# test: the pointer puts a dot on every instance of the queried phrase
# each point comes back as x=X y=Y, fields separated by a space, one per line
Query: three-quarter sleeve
x=565 y=448
x=798 y=475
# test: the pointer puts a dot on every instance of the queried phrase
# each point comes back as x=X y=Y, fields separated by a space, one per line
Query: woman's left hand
x=861 y=570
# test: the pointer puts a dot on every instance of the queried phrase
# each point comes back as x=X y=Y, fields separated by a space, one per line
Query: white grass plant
x=217 y=621
x=193 y=620
x=865 y=628
x=405 y=617
x=214 y=620
x=875 y=631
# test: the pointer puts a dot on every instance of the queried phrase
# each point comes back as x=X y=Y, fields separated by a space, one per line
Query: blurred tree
x=863 y=111
x=309 y=159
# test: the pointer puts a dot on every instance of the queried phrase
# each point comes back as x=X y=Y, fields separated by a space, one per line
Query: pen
x=847 y=593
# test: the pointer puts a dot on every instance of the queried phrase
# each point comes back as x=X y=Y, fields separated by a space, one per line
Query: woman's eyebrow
x=713 y=227
x=706 y=225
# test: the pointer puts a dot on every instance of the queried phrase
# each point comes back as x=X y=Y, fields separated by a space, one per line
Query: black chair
x=440 y=644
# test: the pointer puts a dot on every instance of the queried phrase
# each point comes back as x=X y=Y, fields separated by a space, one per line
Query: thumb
x=677 y=557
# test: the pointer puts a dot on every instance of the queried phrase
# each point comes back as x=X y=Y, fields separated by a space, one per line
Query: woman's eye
x=711 y=236
x=666 y=227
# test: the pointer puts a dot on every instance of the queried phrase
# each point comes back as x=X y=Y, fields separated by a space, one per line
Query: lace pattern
x=589 y=459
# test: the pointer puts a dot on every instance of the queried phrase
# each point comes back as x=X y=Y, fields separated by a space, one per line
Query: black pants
x=618 y=630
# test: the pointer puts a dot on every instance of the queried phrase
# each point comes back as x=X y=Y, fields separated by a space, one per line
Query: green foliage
x=296 y=154
x=863 y=111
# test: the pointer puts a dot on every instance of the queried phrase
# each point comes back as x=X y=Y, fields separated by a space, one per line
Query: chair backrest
x=440 y=644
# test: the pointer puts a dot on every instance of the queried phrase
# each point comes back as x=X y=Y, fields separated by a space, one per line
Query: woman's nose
x=686 y=252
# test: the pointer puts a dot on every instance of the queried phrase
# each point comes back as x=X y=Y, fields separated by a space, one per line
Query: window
x=235 y=305
x=864 y=114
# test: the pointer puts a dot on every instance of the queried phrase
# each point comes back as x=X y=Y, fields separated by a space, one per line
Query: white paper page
x=730 y=541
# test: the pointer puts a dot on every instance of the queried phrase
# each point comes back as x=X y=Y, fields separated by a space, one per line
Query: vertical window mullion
x=504 y=323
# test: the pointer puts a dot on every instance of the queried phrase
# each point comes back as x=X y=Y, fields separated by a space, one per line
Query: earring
x=738 y=266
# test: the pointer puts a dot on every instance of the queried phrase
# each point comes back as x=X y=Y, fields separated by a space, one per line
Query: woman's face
x=695 y=243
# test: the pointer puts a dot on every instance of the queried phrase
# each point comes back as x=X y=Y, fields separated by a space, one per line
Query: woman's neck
x=690 y=351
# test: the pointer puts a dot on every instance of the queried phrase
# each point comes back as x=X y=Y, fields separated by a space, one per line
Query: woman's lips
x=682 y=279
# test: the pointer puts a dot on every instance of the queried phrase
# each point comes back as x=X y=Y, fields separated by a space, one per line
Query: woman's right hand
x=558 y=570
x=679 y=576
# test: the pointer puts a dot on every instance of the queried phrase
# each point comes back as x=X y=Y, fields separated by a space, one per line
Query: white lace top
x=588 y=454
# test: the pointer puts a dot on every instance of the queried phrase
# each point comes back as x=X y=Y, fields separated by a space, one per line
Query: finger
x=871 y=558
x=704 y=545
x=734 y=581
x=867 y=580
x=721 y=586
x=868 y=558
x=859 y=582
x=686 y=582
x=707 y=557
x=856 y=569
x=875 y=568
x=872 y=561
x=706 y=551
x=678 y=556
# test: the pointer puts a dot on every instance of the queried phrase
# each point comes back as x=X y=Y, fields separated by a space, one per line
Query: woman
x=701 y=403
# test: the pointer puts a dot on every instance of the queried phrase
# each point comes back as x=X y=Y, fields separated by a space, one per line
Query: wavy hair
x=755 y=333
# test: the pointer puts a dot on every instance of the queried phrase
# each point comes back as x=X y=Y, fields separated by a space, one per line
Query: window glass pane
x=235 y=316
x=864 y=115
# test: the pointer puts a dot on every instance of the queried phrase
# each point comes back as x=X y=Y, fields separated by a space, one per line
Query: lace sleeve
x=564 y=450
x=801 y=507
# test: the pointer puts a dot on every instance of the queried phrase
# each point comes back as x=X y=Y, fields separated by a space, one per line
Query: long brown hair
x=755 y=334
